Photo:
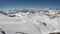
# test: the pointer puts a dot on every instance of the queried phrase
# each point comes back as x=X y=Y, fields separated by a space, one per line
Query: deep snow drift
x=30 y=20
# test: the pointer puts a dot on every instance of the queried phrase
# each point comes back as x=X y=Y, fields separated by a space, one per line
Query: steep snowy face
x=36 y=19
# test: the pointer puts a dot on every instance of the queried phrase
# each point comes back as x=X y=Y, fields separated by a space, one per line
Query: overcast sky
x=29 y=4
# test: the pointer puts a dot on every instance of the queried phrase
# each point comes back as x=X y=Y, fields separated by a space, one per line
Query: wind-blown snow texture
x=30 y=20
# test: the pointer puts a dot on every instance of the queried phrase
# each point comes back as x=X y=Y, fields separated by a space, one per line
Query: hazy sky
x=29 y=4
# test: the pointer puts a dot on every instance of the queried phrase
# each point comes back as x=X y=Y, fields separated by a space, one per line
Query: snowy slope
x=30 y=20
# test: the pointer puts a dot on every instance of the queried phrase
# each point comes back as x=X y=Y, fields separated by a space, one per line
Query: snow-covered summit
x=45 y=19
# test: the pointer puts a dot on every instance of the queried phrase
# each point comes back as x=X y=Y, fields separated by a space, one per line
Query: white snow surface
x=30 y=21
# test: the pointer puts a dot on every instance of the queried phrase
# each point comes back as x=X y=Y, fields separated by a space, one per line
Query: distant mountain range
x=51 y=12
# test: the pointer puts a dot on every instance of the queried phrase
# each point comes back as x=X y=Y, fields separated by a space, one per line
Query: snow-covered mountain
x=30 y=20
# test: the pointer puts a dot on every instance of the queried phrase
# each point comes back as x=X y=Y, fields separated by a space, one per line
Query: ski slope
x=30 y=20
